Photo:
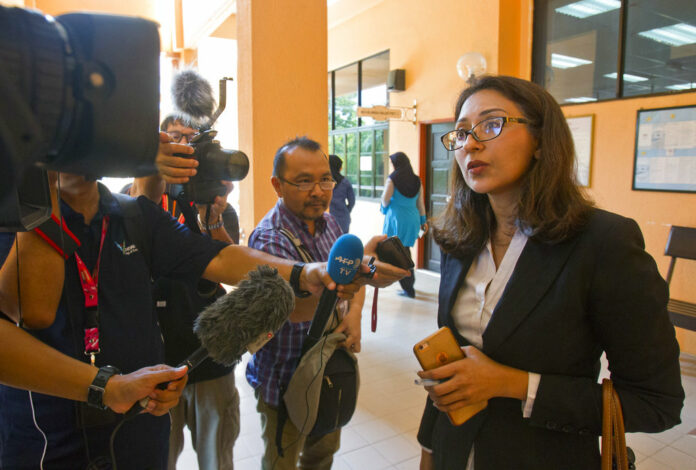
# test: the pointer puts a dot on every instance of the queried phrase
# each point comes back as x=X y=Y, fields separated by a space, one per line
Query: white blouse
x=478 y=297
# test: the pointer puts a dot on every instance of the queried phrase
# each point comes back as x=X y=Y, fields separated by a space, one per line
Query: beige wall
x=425 y=39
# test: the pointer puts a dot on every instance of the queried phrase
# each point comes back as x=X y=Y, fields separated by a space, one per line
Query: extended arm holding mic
x=240 y=321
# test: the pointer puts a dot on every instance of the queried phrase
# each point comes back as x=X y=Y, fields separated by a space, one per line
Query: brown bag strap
x=613 y=433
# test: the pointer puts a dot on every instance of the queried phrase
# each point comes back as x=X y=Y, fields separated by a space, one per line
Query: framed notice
x=665 y=153
x=582 y=127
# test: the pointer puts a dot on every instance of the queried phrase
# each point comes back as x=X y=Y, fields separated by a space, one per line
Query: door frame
x=422 y=169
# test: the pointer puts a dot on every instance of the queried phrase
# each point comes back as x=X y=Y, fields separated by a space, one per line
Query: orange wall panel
x=282 y=89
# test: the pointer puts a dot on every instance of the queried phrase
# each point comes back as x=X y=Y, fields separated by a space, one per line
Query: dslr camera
x=214 y=162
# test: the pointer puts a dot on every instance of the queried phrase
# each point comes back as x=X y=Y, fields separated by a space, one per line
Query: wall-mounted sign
x=665 y=152
x=381 y=113
x=581 y=128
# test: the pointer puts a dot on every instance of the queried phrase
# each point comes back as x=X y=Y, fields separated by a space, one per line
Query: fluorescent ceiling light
x=560 y=61
x=580 y=99
x=675 y=35
x=627 y=77
x=682 y=86
x=586 y=8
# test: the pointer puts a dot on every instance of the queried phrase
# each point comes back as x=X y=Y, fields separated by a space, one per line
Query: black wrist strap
x=295 y=281
x=95 y=393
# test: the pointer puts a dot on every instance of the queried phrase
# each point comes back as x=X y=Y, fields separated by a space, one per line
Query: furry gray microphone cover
x=260 y=304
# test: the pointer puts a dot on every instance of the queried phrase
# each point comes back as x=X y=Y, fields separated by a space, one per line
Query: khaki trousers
x=210 y=409
x=303 y=452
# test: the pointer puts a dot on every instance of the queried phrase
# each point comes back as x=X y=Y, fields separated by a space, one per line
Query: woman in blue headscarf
x=403 y=207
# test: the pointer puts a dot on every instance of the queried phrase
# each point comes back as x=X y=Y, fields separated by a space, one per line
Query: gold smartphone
x=439 y=349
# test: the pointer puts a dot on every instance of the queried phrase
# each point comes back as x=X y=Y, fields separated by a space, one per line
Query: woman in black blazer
x=537 y=284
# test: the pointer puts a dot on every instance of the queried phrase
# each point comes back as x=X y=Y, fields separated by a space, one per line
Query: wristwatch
x=214 y=226
x=95 y=393
x=295 y=281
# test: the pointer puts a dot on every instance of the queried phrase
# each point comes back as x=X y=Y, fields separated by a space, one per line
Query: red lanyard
x=90 y=283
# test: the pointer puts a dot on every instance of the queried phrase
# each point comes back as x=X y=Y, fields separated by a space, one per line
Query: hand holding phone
x=392 y=251
x=437 y=350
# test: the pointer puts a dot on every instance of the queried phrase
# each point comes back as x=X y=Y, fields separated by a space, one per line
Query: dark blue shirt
x=6 y=241
x=129 y=339
x=342 y=203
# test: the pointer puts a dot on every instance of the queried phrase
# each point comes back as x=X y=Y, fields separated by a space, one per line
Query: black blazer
x=564 y=305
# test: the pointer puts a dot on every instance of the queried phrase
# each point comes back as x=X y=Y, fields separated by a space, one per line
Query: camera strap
x=90 y=283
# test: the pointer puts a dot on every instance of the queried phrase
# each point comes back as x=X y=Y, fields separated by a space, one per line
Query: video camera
x=79 y=93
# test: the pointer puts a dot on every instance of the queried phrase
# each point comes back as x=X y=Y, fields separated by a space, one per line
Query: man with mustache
x=302 y=179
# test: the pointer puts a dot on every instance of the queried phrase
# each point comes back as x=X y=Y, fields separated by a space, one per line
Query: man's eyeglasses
x=488 y=129
x=324 y=185
x=176 y=136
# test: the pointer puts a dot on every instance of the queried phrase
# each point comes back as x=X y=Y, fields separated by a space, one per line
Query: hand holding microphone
x=316 y=277
x=242 y=320
x=345 y=259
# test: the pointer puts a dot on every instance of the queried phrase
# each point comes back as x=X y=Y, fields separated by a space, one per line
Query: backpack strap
x=136 y=228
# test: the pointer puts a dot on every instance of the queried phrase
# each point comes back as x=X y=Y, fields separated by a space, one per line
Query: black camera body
x=214 y=164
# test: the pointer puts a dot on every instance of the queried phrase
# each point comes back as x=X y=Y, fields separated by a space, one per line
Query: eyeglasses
x=176 y=136
x=488 y=129
x=324 y=185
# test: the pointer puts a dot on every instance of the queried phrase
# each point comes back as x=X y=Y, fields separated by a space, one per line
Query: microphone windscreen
x=345 y=258
x=259 y=305
x=193 y=95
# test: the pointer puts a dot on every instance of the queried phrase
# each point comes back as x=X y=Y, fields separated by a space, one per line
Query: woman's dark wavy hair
x=551 y=207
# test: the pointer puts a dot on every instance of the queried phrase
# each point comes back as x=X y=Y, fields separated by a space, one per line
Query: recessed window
x=360 y=142
x=580 y=48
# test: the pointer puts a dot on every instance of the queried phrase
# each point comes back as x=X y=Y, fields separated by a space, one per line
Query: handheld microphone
x=242 y=320
x=345 y=258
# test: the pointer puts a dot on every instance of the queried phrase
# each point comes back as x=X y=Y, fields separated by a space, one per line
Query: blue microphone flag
x=345 y=258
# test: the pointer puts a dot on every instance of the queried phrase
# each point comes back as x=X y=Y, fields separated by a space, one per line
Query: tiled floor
x=382 y=433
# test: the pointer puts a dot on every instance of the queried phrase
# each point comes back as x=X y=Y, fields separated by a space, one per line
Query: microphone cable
x=20 y=324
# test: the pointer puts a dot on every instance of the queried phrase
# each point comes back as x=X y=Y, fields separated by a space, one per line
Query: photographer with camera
x=222 y=223
x=209 y=405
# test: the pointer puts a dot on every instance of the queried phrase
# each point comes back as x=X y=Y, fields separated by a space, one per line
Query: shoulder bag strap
x=302 y=250
x=613 y=433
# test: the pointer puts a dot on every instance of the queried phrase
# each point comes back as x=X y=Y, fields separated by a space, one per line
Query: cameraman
x=40 y=429
x=209 y=405
x=29 y=364
x=222 y=223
